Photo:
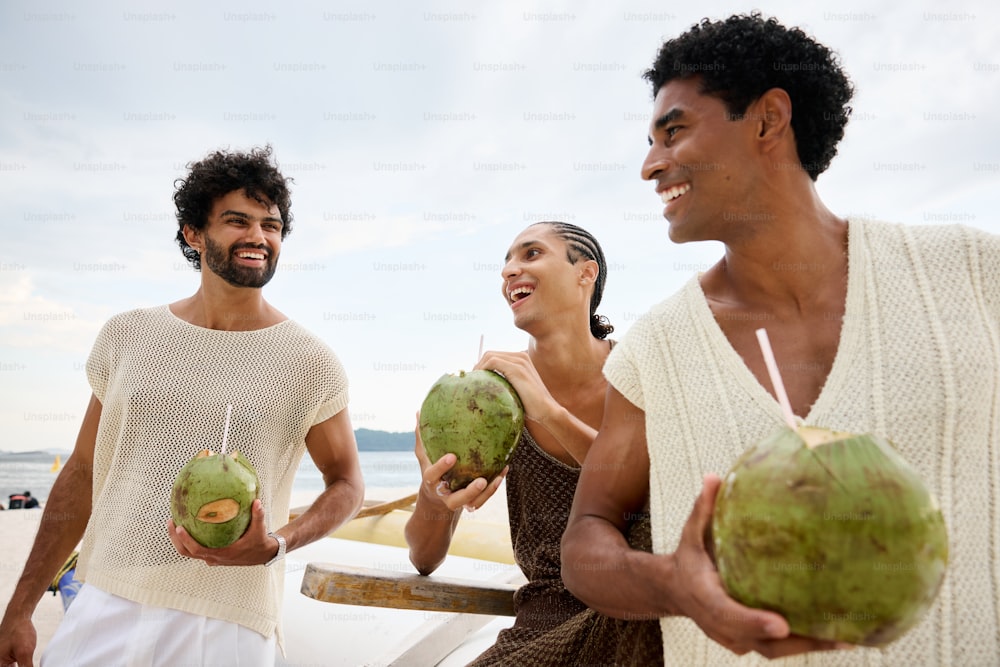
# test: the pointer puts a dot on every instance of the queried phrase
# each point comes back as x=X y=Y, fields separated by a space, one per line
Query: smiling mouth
x=672 y=193
x=519 y=293
x=252 y=255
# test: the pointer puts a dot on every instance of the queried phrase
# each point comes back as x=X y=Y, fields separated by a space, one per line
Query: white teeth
x=520 y=290
x=250 y=255
x=676 y=191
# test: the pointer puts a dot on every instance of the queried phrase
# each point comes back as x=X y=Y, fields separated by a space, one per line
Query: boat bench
x=345 y=584
x=472 y=603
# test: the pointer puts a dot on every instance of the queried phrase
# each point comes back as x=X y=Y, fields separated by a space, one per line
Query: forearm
x=337 y=504
x=429 y=531
x=605 y=573
x=573 y=435
x=62 y=525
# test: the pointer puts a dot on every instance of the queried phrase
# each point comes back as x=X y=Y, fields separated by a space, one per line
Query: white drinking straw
x=480 y=347
x=225 y=433
x=772 y=370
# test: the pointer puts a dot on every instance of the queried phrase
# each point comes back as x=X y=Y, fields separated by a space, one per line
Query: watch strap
x=281 y=549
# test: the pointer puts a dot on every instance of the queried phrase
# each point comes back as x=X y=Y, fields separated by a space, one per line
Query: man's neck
x=567 y=356
x=793 y=250
x=227 y=308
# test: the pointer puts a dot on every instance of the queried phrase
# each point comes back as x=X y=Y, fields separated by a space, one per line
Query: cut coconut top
x=814 y=436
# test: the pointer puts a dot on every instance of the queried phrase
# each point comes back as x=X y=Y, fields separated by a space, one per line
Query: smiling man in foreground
x=877 y=327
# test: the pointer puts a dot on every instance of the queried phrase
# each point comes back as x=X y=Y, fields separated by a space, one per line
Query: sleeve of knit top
x=987 y=249
x=99 y=362
x=621 y=368
x=334 y=385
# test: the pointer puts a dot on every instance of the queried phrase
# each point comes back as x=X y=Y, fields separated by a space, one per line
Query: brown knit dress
x=552 y=627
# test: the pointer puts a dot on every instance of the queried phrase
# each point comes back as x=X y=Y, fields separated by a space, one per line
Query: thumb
x=698 y=527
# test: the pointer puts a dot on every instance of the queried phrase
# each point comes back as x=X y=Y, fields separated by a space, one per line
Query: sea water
x=33 y=472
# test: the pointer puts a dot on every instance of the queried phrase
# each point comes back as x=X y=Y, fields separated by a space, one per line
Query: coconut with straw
x=213 y=494
x=835 y=531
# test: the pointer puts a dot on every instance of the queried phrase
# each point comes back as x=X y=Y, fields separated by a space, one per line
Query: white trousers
x=106 y=630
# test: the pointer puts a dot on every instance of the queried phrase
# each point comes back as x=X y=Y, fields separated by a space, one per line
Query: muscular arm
x=431 y=526
x=572 y=434
x=600 y=568
x=333 y=449
x=64 y=520
x=429 y=530
x=598 y=565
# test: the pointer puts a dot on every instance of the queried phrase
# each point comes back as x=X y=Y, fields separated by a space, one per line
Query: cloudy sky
x=422 y=138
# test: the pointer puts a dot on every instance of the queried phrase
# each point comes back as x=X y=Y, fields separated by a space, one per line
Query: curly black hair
x=742 y=57
x=217 y=175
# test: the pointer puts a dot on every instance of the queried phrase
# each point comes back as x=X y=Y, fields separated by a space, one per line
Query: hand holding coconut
x=216 y=514
x=517 y=369
x=697 y=592
x=834 y=530
x=438 y=492
x=254 y=547
x=476 y=417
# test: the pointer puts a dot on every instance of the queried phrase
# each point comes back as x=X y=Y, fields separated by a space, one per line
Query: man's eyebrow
x=665 y=120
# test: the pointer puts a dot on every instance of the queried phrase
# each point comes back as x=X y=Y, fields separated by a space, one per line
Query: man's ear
x=588 y=271
x=772 y=116
x=193 y=237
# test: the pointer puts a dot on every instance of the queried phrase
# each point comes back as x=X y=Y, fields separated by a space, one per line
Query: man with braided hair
x=878 y=327
x=552 y=280
x=162 y=380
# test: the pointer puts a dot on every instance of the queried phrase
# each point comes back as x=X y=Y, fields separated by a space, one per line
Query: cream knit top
x=164 y=385
x=918 y=362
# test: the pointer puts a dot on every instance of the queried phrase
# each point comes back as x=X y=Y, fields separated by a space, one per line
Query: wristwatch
x=281 y=549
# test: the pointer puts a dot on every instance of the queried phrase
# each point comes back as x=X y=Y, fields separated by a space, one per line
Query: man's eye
x=672 y=130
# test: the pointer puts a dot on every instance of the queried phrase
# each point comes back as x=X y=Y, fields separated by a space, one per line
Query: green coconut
x=834 y=531
x=212 y=497
x=478 y=417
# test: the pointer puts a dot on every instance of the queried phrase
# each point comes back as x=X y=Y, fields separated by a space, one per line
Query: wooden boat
x=383 y=523
x=361 y=577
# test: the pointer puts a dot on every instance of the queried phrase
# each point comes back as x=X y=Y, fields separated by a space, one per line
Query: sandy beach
x=18 y=529
x=17 y=533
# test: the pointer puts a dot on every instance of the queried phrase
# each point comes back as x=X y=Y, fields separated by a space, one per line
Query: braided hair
x=581 y=244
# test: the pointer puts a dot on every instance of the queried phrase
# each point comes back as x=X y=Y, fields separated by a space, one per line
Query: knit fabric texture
x=552 y=627
x=164 y=386
x=918 y=362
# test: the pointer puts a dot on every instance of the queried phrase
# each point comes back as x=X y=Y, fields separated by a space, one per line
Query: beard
x=221 y=263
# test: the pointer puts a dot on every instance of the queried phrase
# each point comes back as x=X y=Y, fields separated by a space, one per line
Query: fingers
x=507 y=363
x=699 y=523
x=737 y=627
x=418 y=447
x=795 y=645
x=468 y=496
x=487 y=492
x=178 y=537
x=435 y=471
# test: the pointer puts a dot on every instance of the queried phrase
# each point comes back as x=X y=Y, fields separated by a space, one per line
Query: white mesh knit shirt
x=918 y=362
x=164 y=385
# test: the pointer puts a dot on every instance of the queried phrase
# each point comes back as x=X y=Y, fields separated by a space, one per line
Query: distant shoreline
x=369 y=440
